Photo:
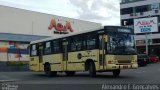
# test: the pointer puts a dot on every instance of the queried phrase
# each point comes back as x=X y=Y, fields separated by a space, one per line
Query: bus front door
x=102 y=52
x=40 y=58
x=65 y=55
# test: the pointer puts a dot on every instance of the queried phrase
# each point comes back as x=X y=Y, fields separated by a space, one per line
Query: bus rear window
x=33 y=50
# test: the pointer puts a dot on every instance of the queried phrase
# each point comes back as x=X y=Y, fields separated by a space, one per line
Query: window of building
x=155 y=6
x=158 y=18
x=140 y=42
x=155 y=41
x=126 y=10
x=127 y=22
x=142 y=8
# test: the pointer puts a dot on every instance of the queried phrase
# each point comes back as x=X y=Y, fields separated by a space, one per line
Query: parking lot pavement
x=143 y=75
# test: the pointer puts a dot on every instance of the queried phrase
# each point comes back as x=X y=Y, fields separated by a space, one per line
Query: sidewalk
x=3 y=81
x=4 y=78
x=10 y=68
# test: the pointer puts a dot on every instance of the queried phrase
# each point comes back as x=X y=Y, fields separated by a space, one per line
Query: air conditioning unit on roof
x=141 y=13
x=156 y=11
x=131 y=14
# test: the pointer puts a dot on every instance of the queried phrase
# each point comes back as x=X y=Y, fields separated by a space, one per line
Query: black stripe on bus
x=71 y=62
x=55 y=63
x=77 y=62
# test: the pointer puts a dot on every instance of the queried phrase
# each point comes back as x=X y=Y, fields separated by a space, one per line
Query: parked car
x=154 y=58
x=142 y=59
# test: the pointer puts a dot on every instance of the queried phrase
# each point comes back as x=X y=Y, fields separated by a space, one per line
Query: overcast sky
x=100 y=11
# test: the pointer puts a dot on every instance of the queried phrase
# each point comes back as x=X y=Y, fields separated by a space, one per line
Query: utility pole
x=146 y=42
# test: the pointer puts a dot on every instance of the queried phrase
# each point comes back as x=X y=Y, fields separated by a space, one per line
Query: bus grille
x=124 y=61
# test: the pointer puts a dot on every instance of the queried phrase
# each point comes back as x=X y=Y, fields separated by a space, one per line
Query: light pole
x=146 y=42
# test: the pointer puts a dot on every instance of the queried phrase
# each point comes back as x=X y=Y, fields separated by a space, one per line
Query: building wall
x=138 y=3
x=14 y=51
x=137 y=9
x=20 y=21
x=3 y=57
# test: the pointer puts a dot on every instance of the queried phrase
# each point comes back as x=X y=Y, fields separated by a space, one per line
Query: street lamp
x=146 y=42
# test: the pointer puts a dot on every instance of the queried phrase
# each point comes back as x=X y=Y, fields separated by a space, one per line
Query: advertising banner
x=146 y=25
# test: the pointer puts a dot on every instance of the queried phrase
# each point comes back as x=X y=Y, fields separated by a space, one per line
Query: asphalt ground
x=148 y=75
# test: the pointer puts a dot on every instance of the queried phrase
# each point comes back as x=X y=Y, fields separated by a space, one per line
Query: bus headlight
x=112 y=61
x=109 y=62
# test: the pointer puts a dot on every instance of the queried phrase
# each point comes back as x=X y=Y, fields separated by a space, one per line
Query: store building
x=18 y=27
x=147 y=12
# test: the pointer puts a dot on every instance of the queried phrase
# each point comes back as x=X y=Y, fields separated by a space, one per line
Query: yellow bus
x=109 y=49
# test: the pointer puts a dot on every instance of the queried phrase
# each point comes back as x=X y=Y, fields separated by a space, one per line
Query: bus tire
x=48 y=72
x=92 y=69
x=70 y=73
x=116 y=73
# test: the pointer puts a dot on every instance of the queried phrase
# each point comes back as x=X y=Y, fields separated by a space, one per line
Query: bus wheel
x=92 y=69
x=70 y=73
x=48 y=72
x=116 y=72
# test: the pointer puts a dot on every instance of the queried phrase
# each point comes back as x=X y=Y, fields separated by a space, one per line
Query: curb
x=2 y=81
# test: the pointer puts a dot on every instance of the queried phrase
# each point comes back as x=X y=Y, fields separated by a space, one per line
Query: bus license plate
x=125 y=67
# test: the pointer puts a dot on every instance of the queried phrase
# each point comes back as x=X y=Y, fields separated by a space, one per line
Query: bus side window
x=100 y=44
x=34 y=50
x=56 y=46
x=107 y=47
x=47 y=48
x=76 y=43
x=84 y=44
x=72 y=44
x=91 y=42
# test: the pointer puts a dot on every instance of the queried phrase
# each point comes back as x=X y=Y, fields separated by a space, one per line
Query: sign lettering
x=60 y=28
x=145 y=25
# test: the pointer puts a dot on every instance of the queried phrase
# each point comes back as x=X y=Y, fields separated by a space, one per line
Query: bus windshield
x=121 y=44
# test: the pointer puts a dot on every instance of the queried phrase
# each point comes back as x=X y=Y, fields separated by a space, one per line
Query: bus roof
x=115 y=29
x=50 y=38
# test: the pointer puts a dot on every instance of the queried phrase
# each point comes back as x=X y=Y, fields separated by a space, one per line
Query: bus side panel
x=34 y=63
x=76 y=60
x=111 y=58
x=93 y=55
x=41 y=67
x=74 y=63
x=55 y=61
